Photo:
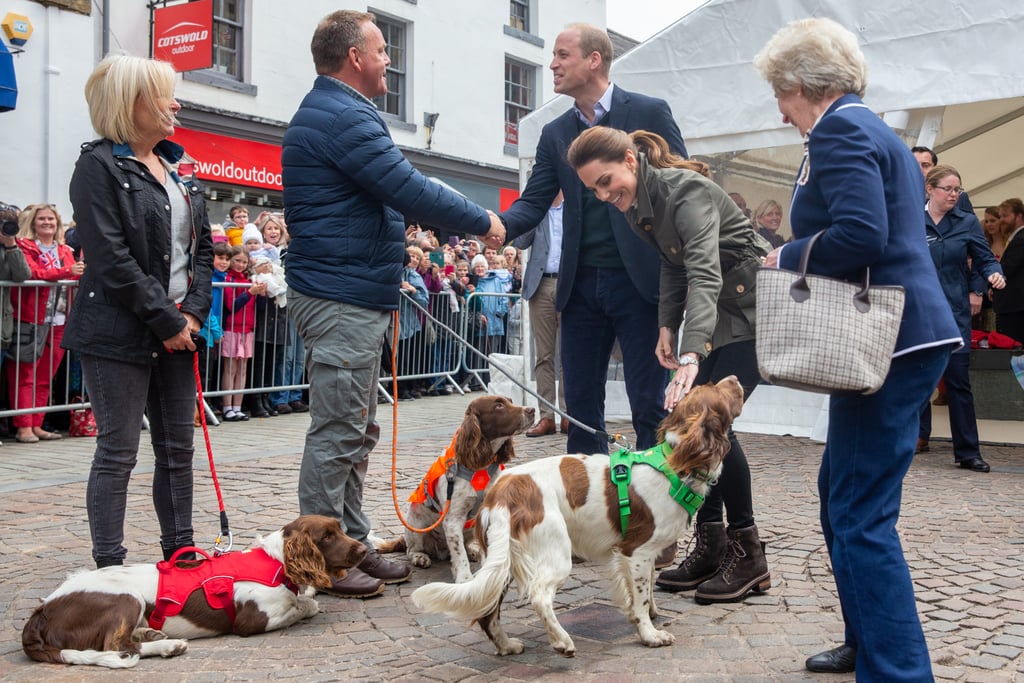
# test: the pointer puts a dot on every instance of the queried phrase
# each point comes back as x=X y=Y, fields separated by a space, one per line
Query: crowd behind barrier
x=438 y=355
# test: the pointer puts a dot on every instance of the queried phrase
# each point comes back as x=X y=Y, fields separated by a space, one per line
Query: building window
x=519 y=15
x=520 y=80
x=395 y=34
x=227 y=37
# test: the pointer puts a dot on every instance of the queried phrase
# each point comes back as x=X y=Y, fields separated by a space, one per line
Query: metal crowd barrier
x=441 y=356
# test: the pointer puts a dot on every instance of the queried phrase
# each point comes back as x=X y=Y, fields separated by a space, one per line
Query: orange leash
x=394 y=442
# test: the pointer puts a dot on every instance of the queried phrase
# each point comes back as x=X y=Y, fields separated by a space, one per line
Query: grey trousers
x=544 y=323
x=343 y=346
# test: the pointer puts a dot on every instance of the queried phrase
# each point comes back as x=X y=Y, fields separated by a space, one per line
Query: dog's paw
x=308 y=591
x=168 y=648
x=511 y=646
x=473 y=551
x=147 y=635
x=659 y=639
x=307 y=606
x=420 y=560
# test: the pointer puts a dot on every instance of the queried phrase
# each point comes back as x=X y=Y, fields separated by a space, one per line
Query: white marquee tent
x=946 y=74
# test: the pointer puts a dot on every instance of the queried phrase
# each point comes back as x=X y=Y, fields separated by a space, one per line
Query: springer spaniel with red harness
x=537 y=516
x=113 y=616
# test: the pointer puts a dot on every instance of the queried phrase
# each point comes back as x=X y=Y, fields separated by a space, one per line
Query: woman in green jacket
x=709 y=259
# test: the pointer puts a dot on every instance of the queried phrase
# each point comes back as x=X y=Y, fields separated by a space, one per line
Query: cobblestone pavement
x=962 y=533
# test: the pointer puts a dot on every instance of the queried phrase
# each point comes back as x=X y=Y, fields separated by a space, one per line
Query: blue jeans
x=119 y=393
x=292 y=370
x=870 y=447
x=343 y=354
x=605 y=306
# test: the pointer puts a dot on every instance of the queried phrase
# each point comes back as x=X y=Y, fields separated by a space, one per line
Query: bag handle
x=801 y=292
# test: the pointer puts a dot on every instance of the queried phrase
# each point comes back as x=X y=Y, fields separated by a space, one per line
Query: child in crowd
x=497 y=266
x=239 y=324
x=213 y=330
x=290 y=369
x=271 y=274
x=238 y=217
x=252 y=240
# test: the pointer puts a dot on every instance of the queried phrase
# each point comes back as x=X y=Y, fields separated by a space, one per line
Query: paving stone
x=970 y=595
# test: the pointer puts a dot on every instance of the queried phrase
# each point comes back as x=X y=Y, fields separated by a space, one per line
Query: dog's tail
x=37 y=643
x=391 y=545
x=482 y=594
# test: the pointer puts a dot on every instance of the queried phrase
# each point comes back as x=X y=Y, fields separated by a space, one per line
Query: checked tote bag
x=825 y=335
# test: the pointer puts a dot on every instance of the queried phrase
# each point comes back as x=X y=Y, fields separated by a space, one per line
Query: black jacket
x=122 y=310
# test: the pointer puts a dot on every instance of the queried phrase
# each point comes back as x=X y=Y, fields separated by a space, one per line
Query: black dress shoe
x=975 y=465
x=841 y=660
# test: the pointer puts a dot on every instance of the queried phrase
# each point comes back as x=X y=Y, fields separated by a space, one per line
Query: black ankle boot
x=744 y=569
x=701 y=564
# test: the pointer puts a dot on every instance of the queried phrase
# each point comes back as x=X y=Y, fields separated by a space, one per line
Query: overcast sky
x=641 y=19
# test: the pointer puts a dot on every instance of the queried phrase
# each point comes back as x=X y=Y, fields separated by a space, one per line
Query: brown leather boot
x=744 y=569
x=701 y=564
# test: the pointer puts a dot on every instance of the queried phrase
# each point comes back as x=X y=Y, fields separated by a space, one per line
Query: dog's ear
x=472 y=450
x=703 y=441
x=505 y=453
x=303 y=562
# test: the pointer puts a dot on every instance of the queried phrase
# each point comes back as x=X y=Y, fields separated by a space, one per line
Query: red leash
x=225 y=529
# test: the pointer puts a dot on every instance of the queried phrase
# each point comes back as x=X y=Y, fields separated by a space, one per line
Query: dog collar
x=620 y=468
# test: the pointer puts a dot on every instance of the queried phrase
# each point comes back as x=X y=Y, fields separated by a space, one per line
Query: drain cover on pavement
x=597 y=622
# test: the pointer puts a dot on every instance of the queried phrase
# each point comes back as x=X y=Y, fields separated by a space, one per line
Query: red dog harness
x=216 y=577
x=445 y=466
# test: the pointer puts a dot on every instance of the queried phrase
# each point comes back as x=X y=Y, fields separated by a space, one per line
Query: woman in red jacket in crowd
x=41 y=239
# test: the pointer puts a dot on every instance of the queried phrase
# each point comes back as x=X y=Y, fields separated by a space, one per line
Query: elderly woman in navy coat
x=954 y=236
x=860 y=184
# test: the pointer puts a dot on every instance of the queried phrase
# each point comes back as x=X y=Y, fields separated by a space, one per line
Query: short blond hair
x=116 y=84
x=816 y=55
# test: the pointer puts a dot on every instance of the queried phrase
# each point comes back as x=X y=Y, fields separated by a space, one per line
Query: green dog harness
x=620 y=468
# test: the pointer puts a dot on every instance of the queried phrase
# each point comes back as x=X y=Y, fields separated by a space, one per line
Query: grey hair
x=816 y=55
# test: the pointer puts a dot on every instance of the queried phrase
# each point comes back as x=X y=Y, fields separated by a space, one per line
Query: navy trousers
x=869 y=449
x=963 y=424
x=605 y=306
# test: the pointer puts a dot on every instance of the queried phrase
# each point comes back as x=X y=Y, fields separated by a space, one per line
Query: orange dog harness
x=216 y=576
x=445 y=466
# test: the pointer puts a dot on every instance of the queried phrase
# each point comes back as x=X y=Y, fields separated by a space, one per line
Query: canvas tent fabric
x=946 y=75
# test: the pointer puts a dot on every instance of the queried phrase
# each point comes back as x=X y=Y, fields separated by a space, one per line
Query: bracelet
x=687 y=360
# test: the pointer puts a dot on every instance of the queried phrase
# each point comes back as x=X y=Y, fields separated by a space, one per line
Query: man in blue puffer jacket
x=346 y=189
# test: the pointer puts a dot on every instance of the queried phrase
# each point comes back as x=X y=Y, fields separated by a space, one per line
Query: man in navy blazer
x=608 y=277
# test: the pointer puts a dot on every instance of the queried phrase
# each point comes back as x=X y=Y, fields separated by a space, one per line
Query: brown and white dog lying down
x=539 y=514
x=481 y=446
x=102 y=616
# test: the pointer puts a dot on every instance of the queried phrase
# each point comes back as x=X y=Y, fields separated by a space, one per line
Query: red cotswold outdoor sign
x=183 y=35
x=231 y=160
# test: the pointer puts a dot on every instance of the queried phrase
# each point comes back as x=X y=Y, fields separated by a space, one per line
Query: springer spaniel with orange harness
x=478 y=451
x=538 y=515
x=113 y=616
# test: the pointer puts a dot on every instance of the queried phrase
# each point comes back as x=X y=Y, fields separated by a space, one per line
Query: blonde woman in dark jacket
x=709 y=258
x=146 y=291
